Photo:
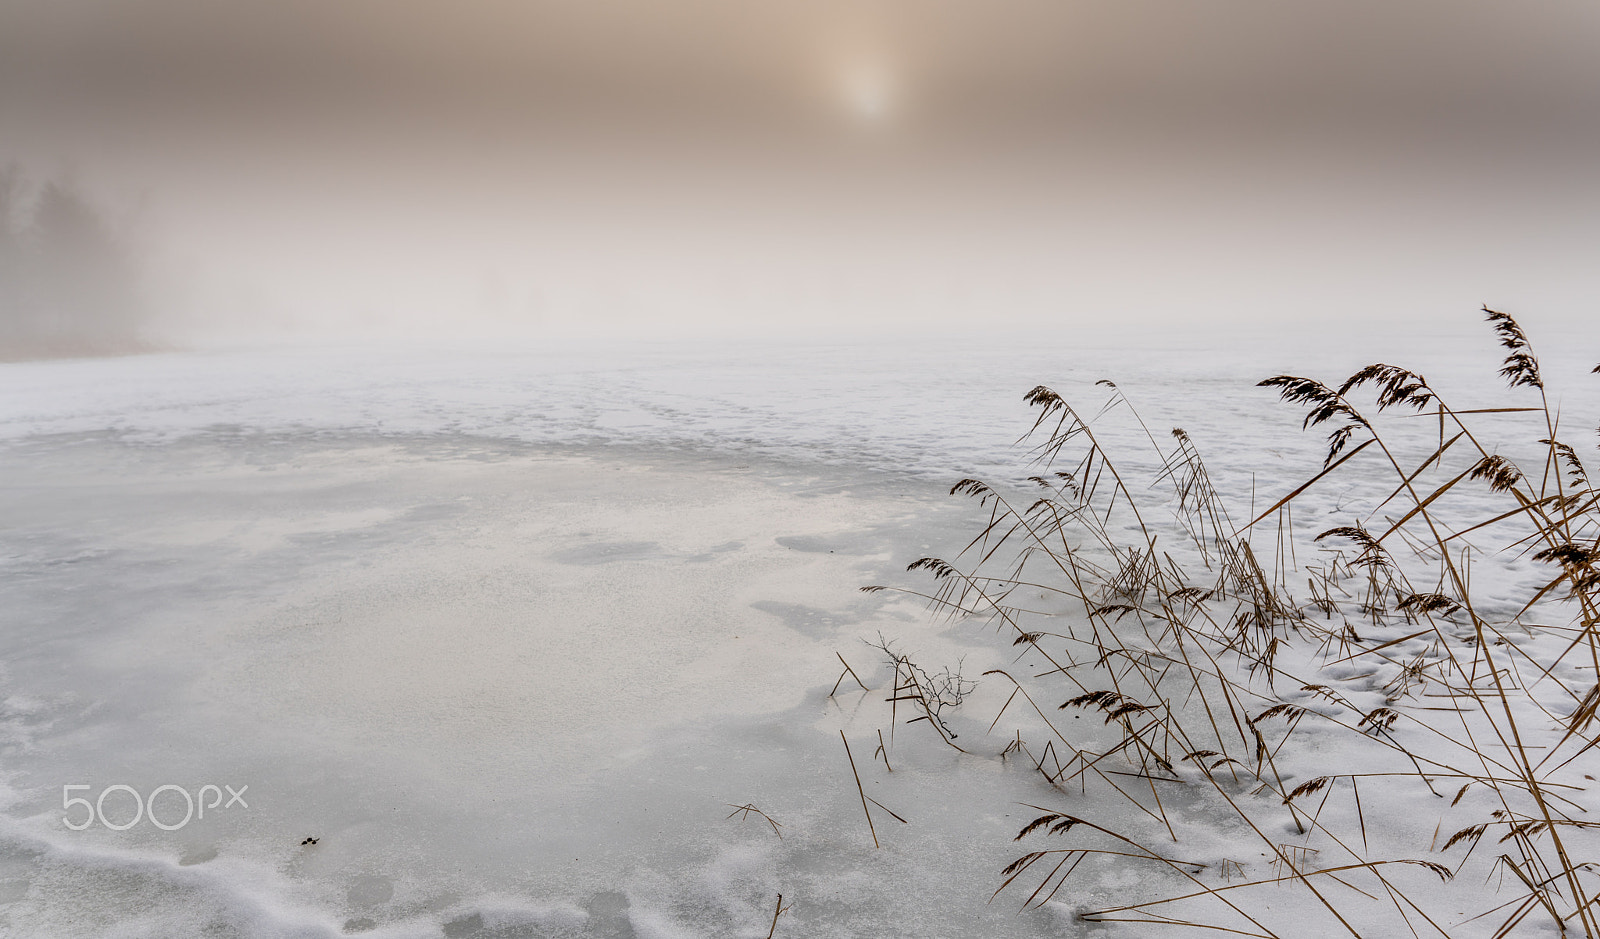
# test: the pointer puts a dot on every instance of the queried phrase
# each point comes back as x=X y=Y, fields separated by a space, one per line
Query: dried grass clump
x=1300 y=741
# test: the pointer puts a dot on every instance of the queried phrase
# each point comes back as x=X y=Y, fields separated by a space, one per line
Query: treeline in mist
x=68 y=286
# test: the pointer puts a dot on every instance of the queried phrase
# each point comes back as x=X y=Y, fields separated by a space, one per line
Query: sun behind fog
x=869 y=92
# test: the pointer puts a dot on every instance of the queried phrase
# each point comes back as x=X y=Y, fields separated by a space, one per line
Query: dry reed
x=1218 y=689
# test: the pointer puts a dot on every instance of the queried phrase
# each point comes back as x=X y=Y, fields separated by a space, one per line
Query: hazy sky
x=385 y=163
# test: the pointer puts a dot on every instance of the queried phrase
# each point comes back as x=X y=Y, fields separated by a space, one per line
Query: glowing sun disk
x=869 y=93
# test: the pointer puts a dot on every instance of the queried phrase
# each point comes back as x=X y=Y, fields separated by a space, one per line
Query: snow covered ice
x=510 y=633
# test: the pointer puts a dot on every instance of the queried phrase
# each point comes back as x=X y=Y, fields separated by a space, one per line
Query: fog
x=450 y=423
x=370 y=169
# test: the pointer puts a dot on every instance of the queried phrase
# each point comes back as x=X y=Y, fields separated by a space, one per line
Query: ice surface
x=510 y=632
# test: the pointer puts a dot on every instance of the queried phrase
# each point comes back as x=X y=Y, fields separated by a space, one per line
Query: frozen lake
x=510 y=631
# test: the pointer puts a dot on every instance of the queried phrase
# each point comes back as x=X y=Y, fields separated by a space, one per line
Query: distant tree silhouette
x=11 y=264
x=67 y=285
